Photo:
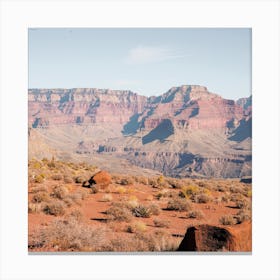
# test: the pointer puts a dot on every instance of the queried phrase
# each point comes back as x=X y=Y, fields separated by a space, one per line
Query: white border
x=262 y=16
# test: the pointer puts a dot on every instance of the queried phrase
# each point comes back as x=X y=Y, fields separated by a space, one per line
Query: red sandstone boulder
x=101 y=178
x=207 y=238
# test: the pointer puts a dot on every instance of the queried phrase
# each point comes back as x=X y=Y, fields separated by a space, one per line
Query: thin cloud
x=144 y=55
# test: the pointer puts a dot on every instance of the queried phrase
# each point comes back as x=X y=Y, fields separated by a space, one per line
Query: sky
x=148 y=61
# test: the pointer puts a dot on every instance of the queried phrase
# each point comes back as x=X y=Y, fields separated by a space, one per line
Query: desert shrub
x=152 y=181
x=225 y=198
x=179 y=204
x=73 y=198
x=202 y=198
x=235 y=197
x=235 y=189
x=56 y=208
x=227 y=220
x=248 y=193
x=196 y=214
x=164 y=193
x=59 y=192
x=76 y=215
x=242 y=204
x=162 y=182
x=132 y=202
x=136 y=227
x=70 y=235
x=68 y=201
x=79 y=179
x=175 y=183
x=119 y=212
x=221 y=188
x=67 y=179
x=57 y=177
x=188 y=191
x=34 y=207
x=142 y=180
x=40 y=197
x=159 y=240
x=39 y=189
x=106 y=198
x=143 y=242
x=51 y=164
x=127 y=181
x=36 y=165
x=94 y=189
x=154 y=209
x=161 y=223
x=141 y=211
x=243 y=215
x=39 y=178
x=120 y=190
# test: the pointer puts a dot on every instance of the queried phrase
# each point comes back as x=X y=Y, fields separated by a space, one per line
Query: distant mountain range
x=186 y=131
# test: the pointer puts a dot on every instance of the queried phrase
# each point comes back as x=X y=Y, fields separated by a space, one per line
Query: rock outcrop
x=186 y=131
x=208 y=238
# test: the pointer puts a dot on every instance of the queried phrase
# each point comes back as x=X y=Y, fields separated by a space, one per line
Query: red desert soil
x=93 y=207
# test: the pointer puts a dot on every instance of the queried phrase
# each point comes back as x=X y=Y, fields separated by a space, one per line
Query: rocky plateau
x=185 y=132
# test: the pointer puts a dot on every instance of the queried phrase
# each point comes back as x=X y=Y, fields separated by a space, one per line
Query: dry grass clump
x=142 y=180
x=39 y=178
x=179 y=204
x=94 y=189
x=136 y=227
x=59 y=192
x=57 y=177
x=67 y=179
x=56 y=208
x=243 y=215
x=195 y=214
x=162 y=182
x=34 y=207
x=76 y=198
x=120 y=190
x=221 y=188
x=202 y=198
x=39 y=189
x=227 y=220
x=76 y=215
x=164 y=193
x=79 y=179
x=127 y=181
x=132 y=202
x=225 y=198
x=106 y=198
x=144 y=242
x=69 y=235
x=40 y=197
x=189 y=191
x=141 y=211
x=175 y=183
x=161 y=223
x=242 y=204
x=154 y=209
x=119 y=212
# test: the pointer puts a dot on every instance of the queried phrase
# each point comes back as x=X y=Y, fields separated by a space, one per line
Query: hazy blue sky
x=146 y=61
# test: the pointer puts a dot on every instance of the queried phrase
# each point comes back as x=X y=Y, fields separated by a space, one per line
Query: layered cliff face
x=186 y=131
x=82 y=106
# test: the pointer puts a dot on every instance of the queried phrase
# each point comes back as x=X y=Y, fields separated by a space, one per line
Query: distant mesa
x=186 y=131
